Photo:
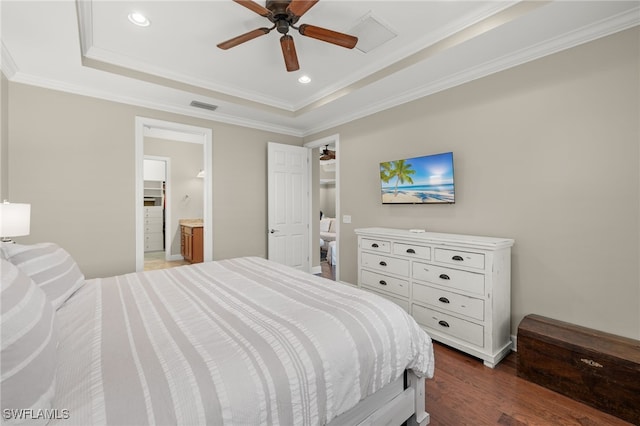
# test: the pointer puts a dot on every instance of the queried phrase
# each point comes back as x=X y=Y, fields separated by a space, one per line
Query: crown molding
x=589 y=33
x=145 y=103
x=7 y=64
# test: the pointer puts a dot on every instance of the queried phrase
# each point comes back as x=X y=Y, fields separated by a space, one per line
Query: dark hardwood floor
x=465 y=392
x=328 y=271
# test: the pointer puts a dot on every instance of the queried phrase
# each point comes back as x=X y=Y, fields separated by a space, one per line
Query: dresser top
x=193 y=223
x=459 y=240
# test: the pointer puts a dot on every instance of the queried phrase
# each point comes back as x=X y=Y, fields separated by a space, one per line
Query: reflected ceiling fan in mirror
x=284 y=15
x=327 y=154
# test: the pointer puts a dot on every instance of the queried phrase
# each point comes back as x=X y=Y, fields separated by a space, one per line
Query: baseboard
x=175 y=257
x=315 y=270
x=514 y=343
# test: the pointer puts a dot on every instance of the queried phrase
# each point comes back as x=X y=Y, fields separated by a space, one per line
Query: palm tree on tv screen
x=385 y=172
x=399 y=169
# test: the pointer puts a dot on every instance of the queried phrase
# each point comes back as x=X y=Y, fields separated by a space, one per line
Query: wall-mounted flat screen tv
x=419 y=180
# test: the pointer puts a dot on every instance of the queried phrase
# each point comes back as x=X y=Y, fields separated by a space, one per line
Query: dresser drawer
x=153 y=237
x=412 y=250
x=461 y=280
x=455 y=327
x=460 y=258
x=404 y=304
x=387 y=264
x=376 y=245
x=153 y=221
x=153 y=228
x=384 y=283
x=153 y=241
x=153 y=212
x=156 y=246
x=448 y=301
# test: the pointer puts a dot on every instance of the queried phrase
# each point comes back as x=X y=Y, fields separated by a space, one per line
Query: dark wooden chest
x=597 y=368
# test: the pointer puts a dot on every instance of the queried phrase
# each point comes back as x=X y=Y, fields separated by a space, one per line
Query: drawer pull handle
x=374 y=245
x=444 y=300
x=458 y=258
x=443 y=323
x=444 y=277
x=383 y=282
x=591 y=362
x=383 y=263
x=412 y=251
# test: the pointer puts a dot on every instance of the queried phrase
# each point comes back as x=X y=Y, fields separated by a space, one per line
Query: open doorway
x=157 y=202
x=190 y=188
x=325 y=188
x=328 y=218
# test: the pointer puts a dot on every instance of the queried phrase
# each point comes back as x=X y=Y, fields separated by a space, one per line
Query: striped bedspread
x=236 y=342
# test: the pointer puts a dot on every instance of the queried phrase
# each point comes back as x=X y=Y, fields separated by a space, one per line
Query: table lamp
x=15 y=219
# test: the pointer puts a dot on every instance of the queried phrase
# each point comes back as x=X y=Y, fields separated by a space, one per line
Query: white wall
x=154 y=170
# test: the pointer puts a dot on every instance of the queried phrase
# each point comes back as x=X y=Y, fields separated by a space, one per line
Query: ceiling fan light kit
x=284 y=15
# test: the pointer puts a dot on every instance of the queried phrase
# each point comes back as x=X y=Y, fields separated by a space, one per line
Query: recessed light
x=305 y=79
x=139 y=19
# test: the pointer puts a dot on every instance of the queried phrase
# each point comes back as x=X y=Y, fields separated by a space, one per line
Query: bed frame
x=400 y=401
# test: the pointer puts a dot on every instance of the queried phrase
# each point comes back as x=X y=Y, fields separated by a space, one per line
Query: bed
x=242 y=341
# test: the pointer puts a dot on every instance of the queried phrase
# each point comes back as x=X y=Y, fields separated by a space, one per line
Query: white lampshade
x=15 y=219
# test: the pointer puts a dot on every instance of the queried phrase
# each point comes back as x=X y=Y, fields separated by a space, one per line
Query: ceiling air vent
x=371 y=33
x=204 y=105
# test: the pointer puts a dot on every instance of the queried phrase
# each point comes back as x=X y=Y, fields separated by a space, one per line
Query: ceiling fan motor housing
x=280 y=16
x=282 y=25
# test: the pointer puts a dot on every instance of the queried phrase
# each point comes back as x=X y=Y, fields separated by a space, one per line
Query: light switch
x=346 y=218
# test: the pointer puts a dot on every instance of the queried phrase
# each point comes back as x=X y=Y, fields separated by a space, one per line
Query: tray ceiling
x=407 y=49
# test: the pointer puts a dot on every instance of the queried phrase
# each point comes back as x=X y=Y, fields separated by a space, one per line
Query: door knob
x=273 y=231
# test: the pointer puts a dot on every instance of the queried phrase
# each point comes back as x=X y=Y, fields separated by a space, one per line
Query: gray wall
x=545 y=153
x=328 y=199
x=4 y=137
x=187 y=201
x=72 y=158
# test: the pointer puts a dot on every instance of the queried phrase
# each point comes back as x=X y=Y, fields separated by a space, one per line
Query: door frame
x=145 y=126
x=313 y=218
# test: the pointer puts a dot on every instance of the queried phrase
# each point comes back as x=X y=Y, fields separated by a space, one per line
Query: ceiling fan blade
x=243 y=38
x=289 y=53
x=319 y=33
x=299 y=7
x=255 y=7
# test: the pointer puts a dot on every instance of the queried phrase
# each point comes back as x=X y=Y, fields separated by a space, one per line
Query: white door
x=288 y=223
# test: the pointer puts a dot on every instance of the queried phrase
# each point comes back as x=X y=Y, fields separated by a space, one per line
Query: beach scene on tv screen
x=427 y=179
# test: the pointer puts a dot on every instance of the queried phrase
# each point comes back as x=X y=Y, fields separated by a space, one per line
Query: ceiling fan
x=284 y=15
x=327 y=154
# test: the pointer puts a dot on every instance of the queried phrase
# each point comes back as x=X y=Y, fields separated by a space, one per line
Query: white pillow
x=332 y=226
x=28 y=347
x=325 y=224
x=50 y=267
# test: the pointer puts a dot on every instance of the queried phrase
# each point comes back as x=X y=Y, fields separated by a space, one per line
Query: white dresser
x=153 y=223
x=457 y=287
